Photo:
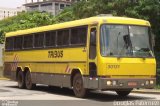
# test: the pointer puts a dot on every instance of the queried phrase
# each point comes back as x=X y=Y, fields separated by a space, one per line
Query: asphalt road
x=44 y=96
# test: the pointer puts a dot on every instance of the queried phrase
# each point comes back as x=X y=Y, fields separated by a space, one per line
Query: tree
x=23 y=21
x=26 y=20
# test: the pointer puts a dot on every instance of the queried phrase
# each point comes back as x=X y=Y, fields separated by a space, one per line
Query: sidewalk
x=147 y=91
x=3 y=78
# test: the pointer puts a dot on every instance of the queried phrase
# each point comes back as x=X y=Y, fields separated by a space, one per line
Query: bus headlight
x=109 y=82
x=151 y=82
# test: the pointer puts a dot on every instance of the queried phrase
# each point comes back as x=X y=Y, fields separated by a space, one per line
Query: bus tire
x=28 y=81
x=20 y=80
x=78 y=86
x=123 y=93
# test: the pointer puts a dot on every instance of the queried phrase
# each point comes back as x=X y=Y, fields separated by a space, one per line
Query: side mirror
x=93 y=38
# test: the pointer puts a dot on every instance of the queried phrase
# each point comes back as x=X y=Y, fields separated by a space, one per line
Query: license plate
x=132 y=83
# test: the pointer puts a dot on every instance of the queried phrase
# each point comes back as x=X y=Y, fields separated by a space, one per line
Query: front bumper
x=119 y=83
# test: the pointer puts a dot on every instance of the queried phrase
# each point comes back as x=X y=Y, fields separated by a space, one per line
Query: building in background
x=9 y=12
x=76 y=0
x=51 y=6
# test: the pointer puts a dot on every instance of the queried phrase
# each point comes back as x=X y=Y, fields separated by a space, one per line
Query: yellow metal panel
x=39 y=61
x=110 y=66
x=69 y=54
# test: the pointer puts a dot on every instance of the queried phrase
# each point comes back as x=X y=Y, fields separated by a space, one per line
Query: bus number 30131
x=55 y=54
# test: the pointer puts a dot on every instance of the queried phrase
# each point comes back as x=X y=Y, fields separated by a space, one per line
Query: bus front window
x=125 y=41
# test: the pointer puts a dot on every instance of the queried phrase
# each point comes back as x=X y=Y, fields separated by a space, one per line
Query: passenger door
x=93 y=52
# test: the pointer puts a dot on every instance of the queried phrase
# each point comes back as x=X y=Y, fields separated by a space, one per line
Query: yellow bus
x=96 y=53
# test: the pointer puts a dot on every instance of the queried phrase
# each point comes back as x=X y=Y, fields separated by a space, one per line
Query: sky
x=11 y=3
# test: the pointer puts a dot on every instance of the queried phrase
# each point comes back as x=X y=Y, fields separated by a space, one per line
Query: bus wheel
x=78 y=86
x=20 y=80
x=123 y=93
x=28 y=81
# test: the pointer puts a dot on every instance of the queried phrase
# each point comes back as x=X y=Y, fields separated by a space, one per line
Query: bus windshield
x=125 y=41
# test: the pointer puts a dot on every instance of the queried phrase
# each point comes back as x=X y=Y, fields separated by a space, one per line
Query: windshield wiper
x=146 y=50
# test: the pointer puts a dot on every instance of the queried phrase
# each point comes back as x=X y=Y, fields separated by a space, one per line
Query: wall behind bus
x=1 y=59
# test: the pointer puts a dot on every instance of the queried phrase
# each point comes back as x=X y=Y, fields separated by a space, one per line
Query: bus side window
x=9 y=45
x=38 y=40
x=28 y=41
x=18 y=43
x=92 y=48
x=50 y=39
x=63 y=38
x=78 y=36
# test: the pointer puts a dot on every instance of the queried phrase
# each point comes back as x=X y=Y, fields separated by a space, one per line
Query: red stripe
x=69 y=70
x=15 y=63
x=66 y=70
x=12 y=65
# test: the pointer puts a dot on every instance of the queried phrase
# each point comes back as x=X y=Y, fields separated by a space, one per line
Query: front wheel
x=28 y=81
x=123 y=93
x=78 y=86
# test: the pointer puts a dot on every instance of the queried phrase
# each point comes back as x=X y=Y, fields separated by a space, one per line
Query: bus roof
x=81 y=22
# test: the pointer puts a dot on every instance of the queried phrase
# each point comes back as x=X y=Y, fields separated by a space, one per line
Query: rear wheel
x=20 y=80
x=28 y=81
x=78 y=86
x=123 y=93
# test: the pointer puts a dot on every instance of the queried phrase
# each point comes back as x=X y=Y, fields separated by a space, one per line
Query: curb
x=147 y=91
x=4 y=78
